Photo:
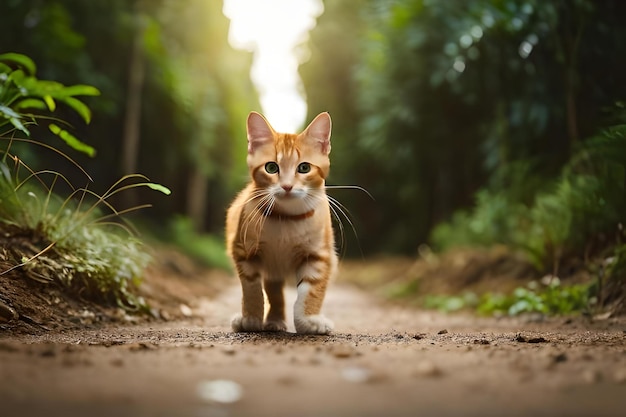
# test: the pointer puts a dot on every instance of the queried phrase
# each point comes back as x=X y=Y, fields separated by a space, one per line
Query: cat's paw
x=240 y=324
x=275 y=326
x=313 y=325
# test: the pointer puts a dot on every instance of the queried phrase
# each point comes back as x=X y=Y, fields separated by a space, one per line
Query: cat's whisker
x=254 y=196
x=342 y=232
x=256 y=217
x=335 y=204
x=337 y=212
x=349 y=187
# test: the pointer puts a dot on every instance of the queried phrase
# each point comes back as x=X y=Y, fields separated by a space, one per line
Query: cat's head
x=291 y=168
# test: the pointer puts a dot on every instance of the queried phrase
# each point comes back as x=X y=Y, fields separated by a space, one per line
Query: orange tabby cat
x=279 y=227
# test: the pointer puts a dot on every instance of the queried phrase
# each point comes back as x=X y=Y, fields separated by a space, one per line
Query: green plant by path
x=82 y=241
x=24 y=99
x=548 y=297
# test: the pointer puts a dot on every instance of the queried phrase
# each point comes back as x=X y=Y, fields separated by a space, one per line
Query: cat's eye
x=304 y=168
x=271 y=167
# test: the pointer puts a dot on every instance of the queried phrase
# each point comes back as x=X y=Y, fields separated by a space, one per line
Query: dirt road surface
x=382 y=360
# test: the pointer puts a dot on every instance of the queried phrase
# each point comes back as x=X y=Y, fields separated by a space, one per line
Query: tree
x=451 y=95
x=186 y=117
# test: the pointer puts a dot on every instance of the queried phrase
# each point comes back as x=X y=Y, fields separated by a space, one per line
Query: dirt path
x=382 y=361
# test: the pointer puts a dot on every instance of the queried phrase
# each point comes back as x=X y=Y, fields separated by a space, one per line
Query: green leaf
x=22 y=60
x=159 y=187
x=50 y=102
x=28 y=83
x=30 y=103
x=72 y=140
x=81 y=90
x=79 y=107
x=8 y=112
x=4 y=68
x=19 y=125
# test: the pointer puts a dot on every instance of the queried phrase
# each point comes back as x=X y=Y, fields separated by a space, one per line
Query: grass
x=80 y=241
x=79 y=246
x=547 y=297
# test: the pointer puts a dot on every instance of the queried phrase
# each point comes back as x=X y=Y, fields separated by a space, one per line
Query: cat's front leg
x=275 y=320
x=306 y=312
x=251 y=317
x=313 y=276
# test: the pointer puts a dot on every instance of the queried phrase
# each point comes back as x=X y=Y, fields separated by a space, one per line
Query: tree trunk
x=197 y=187
x=132 y=123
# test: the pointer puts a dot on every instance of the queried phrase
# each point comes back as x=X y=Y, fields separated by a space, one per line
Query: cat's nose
x=287 y=188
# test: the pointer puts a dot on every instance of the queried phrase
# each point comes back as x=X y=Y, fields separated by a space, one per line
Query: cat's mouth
x=290 y=194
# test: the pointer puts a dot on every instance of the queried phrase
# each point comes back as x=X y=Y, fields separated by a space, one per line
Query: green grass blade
x=158 y=187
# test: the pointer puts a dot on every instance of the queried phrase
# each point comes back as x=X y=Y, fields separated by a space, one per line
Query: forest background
x=470 y=123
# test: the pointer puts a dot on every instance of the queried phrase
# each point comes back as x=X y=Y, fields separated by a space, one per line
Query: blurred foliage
x=581 y=208
x=195 y=94
x=69 y=241
x=548 y=297
x=22 y=93
x=441 y=99
x=204 y=248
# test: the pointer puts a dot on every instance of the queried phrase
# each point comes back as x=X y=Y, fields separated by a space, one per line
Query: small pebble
x=221 y=391
x=428 y=369
x=186 y=310
x=591 y=376
x=620 y=376
x=7 y=313
x=356 y=374
x=229 y=350
x=343 y=351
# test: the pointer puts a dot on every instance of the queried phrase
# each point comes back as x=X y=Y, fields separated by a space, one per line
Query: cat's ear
x=259 y=131
x=319 y=130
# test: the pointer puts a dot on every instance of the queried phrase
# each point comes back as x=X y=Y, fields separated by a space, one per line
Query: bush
x=586 y=200
x=74 y=243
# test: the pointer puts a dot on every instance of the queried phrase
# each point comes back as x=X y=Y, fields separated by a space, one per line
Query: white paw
x=275 y=326
x=246 y=324
x=313 y=325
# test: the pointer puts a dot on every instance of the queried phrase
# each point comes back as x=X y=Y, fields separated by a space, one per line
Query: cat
x=279 y=227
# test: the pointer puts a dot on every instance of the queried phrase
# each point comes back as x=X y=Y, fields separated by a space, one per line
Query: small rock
x=7 y=313
x=481 y=342
x=8 y=347
x=603 y=316
x=343 y=351
x=287 y=380
x=48 y=352
x=591 y=376
x=221 y=391
x=142 y=346
x=521 y=339
x=561 y=357
x=356 y=374
x=620 y=376
x=165 y=315
x=229 y=350
x=427 y=369
x=444 y=331
x=186 y=310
